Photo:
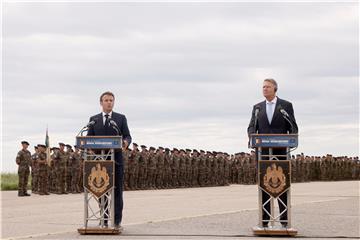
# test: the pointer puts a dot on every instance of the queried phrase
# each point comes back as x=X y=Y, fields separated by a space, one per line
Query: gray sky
x=184 y=74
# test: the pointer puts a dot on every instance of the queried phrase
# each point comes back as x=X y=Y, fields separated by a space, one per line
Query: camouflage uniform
x=23 y=159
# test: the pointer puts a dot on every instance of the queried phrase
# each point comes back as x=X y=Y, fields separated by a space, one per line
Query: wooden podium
x=98 y=180
x=274 y=180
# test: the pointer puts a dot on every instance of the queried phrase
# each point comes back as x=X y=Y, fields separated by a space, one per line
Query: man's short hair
x=271 y=80
x=107 y=93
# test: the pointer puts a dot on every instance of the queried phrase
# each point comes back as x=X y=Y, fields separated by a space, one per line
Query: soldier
x=227 y=165
x=182 y=168
x=167 y=168
x=202 y=169
x=51 y=173
x=142 y=168
x=23 y=160
x=134 y=167
x=60 y=159
x=125 y=155
x=151 y=168
x=75 y=161
x=209 y=159
x=43 y=170
x=195 y=168
x=69 y=152
x=34 y=171
x=160 y=160
x=175 y=167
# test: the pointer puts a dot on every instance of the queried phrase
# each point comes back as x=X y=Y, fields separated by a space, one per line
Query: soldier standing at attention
x=43 y=168
x=23 y=160
x=34 y=171
x=75 y=161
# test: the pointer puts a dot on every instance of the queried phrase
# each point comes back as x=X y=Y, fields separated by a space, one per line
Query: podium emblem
x=274 y=179
x=98 y=179
x=274 y=176
x=98 y=176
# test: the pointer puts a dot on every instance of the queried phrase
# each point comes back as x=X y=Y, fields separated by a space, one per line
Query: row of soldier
x=61 y=173
x=164 y=168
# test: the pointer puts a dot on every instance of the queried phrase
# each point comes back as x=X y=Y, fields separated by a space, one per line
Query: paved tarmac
x=321 y=210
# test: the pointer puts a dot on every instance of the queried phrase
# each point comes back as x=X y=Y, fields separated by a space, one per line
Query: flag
x=47 y=144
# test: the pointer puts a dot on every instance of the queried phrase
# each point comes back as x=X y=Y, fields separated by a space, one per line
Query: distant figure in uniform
x=103 y=127
x=23 y=160
x=270 y=120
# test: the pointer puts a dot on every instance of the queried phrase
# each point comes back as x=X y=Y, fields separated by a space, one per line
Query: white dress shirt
x=104 y=118
x=270 y=109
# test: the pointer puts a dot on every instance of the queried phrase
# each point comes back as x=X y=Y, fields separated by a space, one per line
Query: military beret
x=182 y=150
x=161 y=148
x=152 y=148
x=75 y=146
x=51 y=149
x=167 y=149
x=68 y=146
x=202 y=151
x=188 y=150
x=208 y=152
x=214 y=152
x=41 y=145
x=143 y=146
x=194 y=150
x=56 y=148
x=175 y=149
x=25 y=142
x=61 y=144
x=134 y=144
x=36 y=147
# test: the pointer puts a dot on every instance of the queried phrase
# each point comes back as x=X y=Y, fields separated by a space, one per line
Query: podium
x=98 y=181
x=274 y=182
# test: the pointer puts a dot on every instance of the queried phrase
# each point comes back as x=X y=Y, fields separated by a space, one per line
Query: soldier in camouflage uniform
x=75 y=162
x=23 y=160
x=175 y=167
x=159 y=173
x=126 y=155
x=60 y=159
x=43 y=170
x=143 y=168
x=34 y=171
x=69 y=152
x=167 y=169
x=134 y=160
x=151 y=176
x=202 y=169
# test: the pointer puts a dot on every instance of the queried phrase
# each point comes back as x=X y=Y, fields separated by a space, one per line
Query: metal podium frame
x=104 y=147
x=271 y=142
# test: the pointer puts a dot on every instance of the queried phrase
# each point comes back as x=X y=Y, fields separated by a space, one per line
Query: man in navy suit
x=104 y=127
x=268 y=117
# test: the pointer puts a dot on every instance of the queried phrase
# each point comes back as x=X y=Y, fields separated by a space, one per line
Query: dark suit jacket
x=278 y=124
x=98 y=129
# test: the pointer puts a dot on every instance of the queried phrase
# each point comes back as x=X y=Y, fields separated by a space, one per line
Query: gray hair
x=271 y=80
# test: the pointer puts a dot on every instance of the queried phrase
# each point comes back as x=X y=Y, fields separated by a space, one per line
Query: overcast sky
x=185 y=75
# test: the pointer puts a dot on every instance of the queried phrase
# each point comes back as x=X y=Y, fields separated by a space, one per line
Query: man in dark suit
x=103 y=127
x=274 y=116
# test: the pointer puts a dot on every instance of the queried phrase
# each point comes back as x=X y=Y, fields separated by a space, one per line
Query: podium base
x=97 y=230
x=274 y=231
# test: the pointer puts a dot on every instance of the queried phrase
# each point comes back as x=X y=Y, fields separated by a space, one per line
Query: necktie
x=107 y=122
x=270 y=111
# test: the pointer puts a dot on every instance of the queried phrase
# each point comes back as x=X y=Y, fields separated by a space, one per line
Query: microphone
x=289 y=119
x=283 y=112
x=114 y=125
x=91 y=123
